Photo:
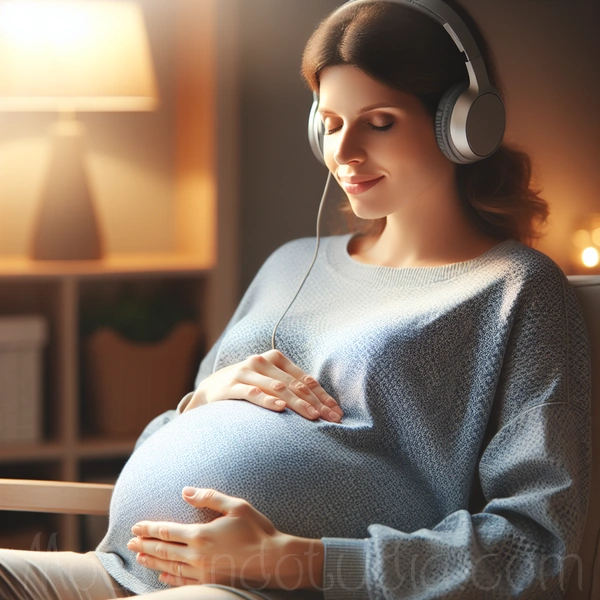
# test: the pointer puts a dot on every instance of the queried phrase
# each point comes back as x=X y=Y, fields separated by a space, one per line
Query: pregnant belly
x=306 y=480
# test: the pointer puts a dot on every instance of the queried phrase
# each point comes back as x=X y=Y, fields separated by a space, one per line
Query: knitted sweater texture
x=461 y=466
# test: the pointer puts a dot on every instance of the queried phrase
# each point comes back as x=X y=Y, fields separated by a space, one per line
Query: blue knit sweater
x=461 y=466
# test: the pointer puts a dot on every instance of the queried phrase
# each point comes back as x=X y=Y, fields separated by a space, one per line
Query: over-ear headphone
x=470 y=119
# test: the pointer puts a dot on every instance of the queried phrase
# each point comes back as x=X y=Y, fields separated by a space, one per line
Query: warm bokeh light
x=47 y=25
x=581 y=238
x=596 y=236
x=590 y=257
x=75 y=56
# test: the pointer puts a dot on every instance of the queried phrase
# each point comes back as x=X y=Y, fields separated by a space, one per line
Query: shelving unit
x=57 y=291
x=203 y=264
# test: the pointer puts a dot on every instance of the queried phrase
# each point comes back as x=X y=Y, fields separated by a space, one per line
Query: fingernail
x=335 y=417
x=312 y=411
x=279 y=402
x=136 y=530
x=189 y=491
x=141 y=559
x=131 y=544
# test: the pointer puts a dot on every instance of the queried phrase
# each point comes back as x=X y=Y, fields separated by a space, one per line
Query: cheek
x=328 y=155
x=423 y=165
x=427 y=152
x=329 y=162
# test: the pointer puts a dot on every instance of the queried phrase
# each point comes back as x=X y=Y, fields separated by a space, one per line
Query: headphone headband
x=444 y=15
x=455 y=27
x=470 y=121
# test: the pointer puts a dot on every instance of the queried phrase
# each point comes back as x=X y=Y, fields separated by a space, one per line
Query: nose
x=349 y=147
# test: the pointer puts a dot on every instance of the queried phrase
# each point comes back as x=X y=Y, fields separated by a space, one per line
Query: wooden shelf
x=103 y=448
x=38 y=452
x=129 y=265
x=98 y=448
x=61 y=292
x=56 y=497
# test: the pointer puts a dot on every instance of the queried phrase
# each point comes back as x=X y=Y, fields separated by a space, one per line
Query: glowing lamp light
x=49 y=25
x=585 y=249
x=71 y=56
x=590 y=257
x=75 y=56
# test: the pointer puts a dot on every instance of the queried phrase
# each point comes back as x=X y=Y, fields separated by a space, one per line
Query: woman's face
x=380 y=144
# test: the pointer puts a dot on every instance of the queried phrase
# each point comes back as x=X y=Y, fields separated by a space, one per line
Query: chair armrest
x=55 y=496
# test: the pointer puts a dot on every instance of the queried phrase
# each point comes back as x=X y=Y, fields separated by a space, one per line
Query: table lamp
x=65 y=57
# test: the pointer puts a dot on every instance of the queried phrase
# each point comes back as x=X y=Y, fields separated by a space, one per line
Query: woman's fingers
x=173 y=573
x=177 y=533
x=303 y=385
x=156 y=548
x=174 y=581
x=224 y=504
x=272 y=381
x=321 y=394
x=154 y=554
x=254 y=393
x=272 y=393
x=225 y=549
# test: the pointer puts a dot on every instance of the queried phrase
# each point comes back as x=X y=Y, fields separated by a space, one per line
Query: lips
x=359 y=185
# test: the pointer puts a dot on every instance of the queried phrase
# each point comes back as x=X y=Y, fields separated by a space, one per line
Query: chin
x=368 y=213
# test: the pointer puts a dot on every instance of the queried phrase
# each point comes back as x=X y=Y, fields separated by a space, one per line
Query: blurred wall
x=549 y=58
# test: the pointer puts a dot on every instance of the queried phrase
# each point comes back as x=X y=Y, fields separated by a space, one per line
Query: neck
x=426 y=234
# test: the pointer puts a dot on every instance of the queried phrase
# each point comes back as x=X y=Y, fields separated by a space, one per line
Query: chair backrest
x=587 y=586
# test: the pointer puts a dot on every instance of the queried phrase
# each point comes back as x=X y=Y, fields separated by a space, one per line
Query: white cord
x=313 y=260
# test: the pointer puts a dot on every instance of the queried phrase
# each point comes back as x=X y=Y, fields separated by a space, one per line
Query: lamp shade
x=75 y=56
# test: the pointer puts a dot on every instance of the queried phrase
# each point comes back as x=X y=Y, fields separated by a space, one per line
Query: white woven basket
x=21 y=371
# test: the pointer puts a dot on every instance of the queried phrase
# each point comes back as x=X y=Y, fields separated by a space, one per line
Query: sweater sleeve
x=533 y=474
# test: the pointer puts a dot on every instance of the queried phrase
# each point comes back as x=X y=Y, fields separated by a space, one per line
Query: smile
x=359 y=187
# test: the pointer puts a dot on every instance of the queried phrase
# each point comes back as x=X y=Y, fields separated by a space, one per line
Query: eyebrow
x=366 y=108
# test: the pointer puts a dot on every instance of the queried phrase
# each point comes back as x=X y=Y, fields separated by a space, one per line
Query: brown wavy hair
x=411 y=52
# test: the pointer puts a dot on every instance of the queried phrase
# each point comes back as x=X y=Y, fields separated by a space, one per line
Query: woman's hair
x=409 y=51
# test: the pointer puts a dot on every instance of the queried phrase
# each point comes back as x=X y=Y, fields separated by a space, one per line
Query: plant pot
x=130 y=383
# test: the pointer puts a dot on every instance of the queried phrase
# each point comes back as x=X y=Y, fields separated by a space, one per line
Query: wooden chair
x=55 y=496
x=94 y=499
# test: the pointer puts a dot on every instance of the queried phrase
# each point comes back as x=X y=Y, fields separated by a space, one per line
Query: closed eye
x=374 y=127
x=382 y=127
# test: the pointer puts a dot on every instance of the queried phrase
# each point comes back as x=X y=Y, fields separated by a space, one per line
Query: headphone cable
x=321 y=204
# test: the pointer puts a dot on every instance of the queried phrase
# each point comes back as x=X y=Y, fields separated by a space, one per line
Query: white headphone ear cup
x=316 y=130
x=443 y=117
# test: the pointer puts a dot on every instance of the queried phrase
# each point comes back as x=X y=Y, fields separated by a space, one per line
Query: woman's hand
x=272 y=381
x=242 y=548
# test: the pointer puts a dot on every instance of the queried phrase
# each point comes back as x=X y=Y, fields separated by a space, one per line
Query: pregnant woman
x=422 y=428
